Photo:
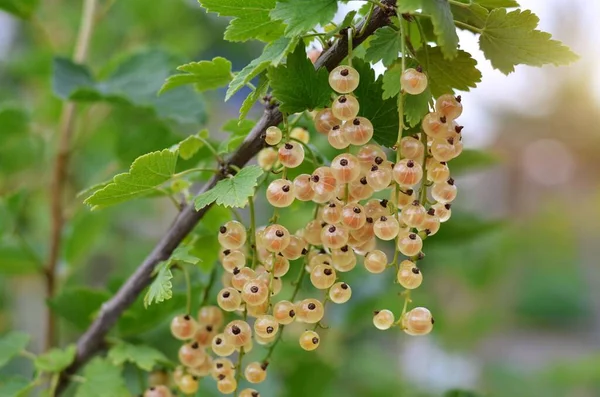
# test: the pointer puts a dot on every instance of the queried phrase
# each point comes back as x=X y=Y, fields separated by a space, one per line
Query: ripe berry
x=303 y=190
x=322 y=276
x=273 y=135
x=188 y=384
x=443 y=149
x=437 y=172
x=237 y=333
x=340 y=293
x=294 y=249
x=309 y=340
x=413 y=81
x=249 y=393
x=443 y=211
x=266 y=326
x=312 y=232
x=301 y=134
x=255 y=372
x=410 y=244
x=334 y=236
x=280 y=193
x=266 y=158
x=291 y=154
x=276 y=238
x=360 y=189
x=319 y=260
x=158 y=377
x=202 y=370
x=376 y=208
x=365 y=247
x=336 y=138
x=323 y=181
x=255 y=292
x=325 y=120
x=345 y=168
x=450 y=106
x=379 y=177
x=343 y=259
x=310 y=311
x=409 y=276
x=358 y=131
x=232 y=235
x=345 y=107
x=332 y=213
x=227 y=384
x=417 y=321
x=444 y=192
x=435 y=125
x=353 y=216
x=386 y=228
x=204 y=334
x=191 y=354
x=158 y=391
x=375 y=261
x=324 y=197
x=278 y=265
x=405 y=197
x=431 y=224
x=222 y=367
x=220 y=346
x=210 y=315
x=411 y=148
x=258 y=310
x=413 y=215
x=407 y=173
x=344 y=79
x=241 y=277
x=383 y=319
x=367 y=155
x=183 y=327
x=233 y=259
x=229 y=299
x=284 y=312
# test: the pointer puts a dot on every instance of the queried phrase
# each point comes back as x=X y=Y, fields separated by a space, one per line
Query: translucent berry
x=222 y=367
x=229 y=299
x=158 y=377
x=358 y=131
x=353 y=216
x=444 y=192
x=360 y=189
x=276 y=238
x=266 y=158
x=443 y=149
x=450 y=106
x=376 y=261
x=405 y=197
x=266 y=326
x=435 y=125
x=273 y=135
x=241 y=277
x=323 y=180
x=226 y=384
x=220 y=347
x=310 y=311
x=183 y=327
x=238 y=333
x=443 y=211
x=295 y=248
x=255 y=372
x=323 y=197
x=322 y=276
x=345 y=168
x=258 y=310
x=284 y=312
x=210 y=315
x=333 y=236
x=301 y=134
x=345 y=107
x=191 y=354
x=188 y=384
x=343 y=259
x=312 y=232
x=332 y=213
x=376 y=208
x=379 y=178
x=409 y=275
x=417 y=321
x=336 y=138
x=383 y=319
x=232 y=235
x=414 y=214
x=280 y=193
x=204 y=334
x=344 y=79
x=303 y=190
x=410 y=244
x=291 y=154
x=438 y=172
x=386 y=228
x=158 y=391
x=249 y=393
x=319 y=260
x=367 y=155
x=407 y=173
x=204 y=369
x=233 y=259
x=340 y=293
x=309 y=340
x=255 y=292
x=325 y=120
x=431 y=224
x=413 y=81
x=411 y=148
x=278 y=265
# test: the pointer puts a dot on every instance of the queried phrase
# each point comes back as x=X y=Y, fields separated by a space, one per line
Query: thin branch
x=90 y=342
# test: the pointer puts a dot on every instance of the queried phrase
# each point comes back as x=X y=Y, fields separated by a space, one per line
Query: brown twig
x=91 y=341
x=61 y=165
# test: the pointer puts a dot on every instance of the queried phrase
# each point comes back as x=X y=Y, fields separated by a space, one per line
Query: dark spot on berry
x=195 y=345
x=236 y=270
x=344 y=286
x=254 y=289
x=450 y=140
x=279 y=233
x=285 y=188
x=410 y=163
x=415 y=203
x=279 y=254
x=378 y=160
x=383 y=219
x=416 y=270
x=363 y=180
x=332 y=229
x=255 y=394
x=376 y=312
x=412 y=236
x=289 y=146
x=226 y=294
x=432 y=320
x=431 y=211
x=221 y=377
x=459 y=128
x=304 y=251
x=451 y=181
x=194 y=377
x=335 y=127
x=344 y=248
x=409 y=192
x=342 y=99
x=458 y=98
x=374 y=168
x=356 y=122
x=270 y=330
x=383 y=203
x=209 y=328
x=219 y=365
x=326 y=262
x=427 y=232
x=323 y=224
x=292 y=313
x=447 y=206
x=263 y=136
x=235 y=330
x=419 y=69
x=356 y=210
x=218 y=341
x=343 y=162
x=264 y=366
x=152 y=388
x=312 y=306
x=420 y=256
x=327 y=272
x=331 y=205
x=223 y=229
x=443 y=119
x=344 y=72
x=187 y=317
x=315 y=178
x=369 y=219
x=226 y=252
x=315 y=340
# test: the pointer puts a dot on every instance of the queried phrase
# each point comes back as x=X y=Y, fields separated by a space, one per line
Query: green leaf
x=474 y=15
x=463 y=228
x=23 y=9
x=12 y=344
x=472 y=160
x=146 y=174
x=303 y=15
x=205 y=75
x=384 y=46
x=19 y=148
x=273 y=54
x=510 y=38
x=250 y=19
x=68 y=77
x=383 y=114
x=78 y=305
x=102 y=379
x=297 y=85
x=190 y=145
x=161 y=288
x=416 y=106
x=404 y=6
x=497 y=3
x=443 y=25
x=446 y=75
x=55 y=360
x=259 y=92
x=15 y=386
x=15 y=259
x=182 y=255
x=391 y=81
x=238 y=128
x=83 y=233
x=233 y=191
x=143 y=356
x=346 y=22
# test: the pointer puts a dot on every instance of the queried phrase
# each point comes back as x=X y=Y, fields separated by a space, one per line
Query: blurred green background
x=513 y=279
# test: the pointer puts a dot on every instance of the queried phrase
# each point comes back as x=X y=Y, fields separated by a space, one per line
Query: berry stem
x=191 y=170
x=188 y=289
x=350 y=46
x=367 y=17
x=211 y=148
x=307 y=148
x=211 y=282
x=238 y=371
x=423 y=192
x=252 y=230
x=379 y=4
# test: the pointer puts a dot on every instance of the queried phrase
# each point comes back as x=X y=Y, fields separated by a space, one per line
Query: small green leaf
x=11 y=345
x=233 y=191
x=472 y=160
x=273 y=54
x=416 y=106
x=190 y=145
x=302 y=15
x=161 y=288
x=15 y=386
x=55 y=360
x=15 y=259
x=68 y=77
x=510 y=38
x=250 y=19
x=497 y=3
x=205 y=75
x=146 y=174
x=384 y=46
x=404 y=6
x=23 y=9
x=182 y=255
x=474 y=15
x=446 y=75
x=78 y=305
x=391 y=81
x=102 y=379
x=297 y=85
x=143 y=356
x=346 y=22
x=254 y=96
x=443 y=25
x=383 y=114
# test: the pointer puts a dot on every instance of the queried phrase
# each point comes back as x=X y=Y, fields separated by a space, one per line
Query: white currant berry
x=443 y=211
x=233 y=259
x=241 y=277
x=188 y=384
x=345 y=107
x=409 y=275
x=295 y=249
x=407 y=173
x=413 y=81
x=322 y=276
x=332 y=213
x=273 y=135
x=205 y=333
x=232 y=235
x=266 y=326
x=414 y=214
x=249 y=393
x=336 y=138
x=376 y=208
x=417 y=321
x=344 y=79
x=376 y=261
x=266 y=158
x=312 y=232
x=360 y=189
x=278 y=265
x=444 y=192
x=435 y=125
x=309 y=340
x=256 y=372
x=431 y=224
x=210 y=315
x=379 y=177
x=325 y=120
x=383 y=319
x=301 y=134
x=226 y=384
x=222 y=367
x=323 y=181
x=276 y=238
x=343 y=259
x=334 y=236
x=443 y=150
x=386 y=228
x=280 y=193
x=405 y=197
x=319 y=260
x=291 y=154
x=255 y=292
x=411 y=148
x=220 y=346
x=437 y=172
x=229 y=299
x=191 y=354
x=258 y=310
x=353 y=216
x=202 y=370
x=303 y=190
x=158 y=391
x=183 y=327
x=284 y=312
x=450 y=106
x=340 y=293
x=410 y=244
x=237 y=333
x=345 y=168
x=309 y=311
x=358 y=131
x=367 y=155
